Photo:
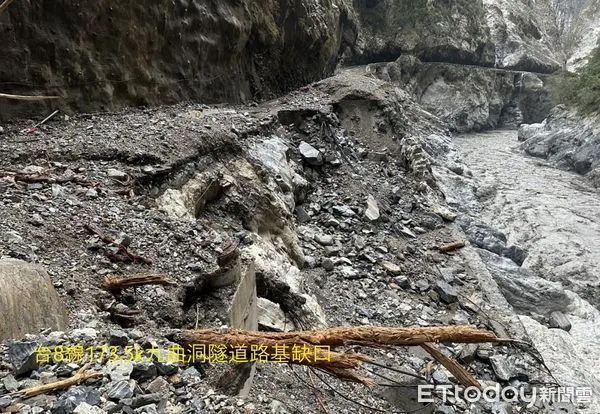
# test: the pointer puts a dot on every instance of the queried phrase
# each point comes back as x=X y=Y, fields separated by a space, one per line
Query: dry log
x=5 y=5
x=117 y=282
x=39 y=178
x=79 y=377
x=450 y=247
x=454 y=367
x=338 y=364
x=122 y=254
x=361 y=335
x=26 y=97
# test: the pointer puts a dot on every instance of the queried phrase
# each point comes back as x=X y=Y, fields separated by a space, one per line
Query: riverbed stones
x=28 y=300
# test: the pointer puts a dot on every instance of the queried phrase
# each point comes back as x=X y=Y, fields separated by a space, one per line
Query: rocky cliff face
x=497 y=33
x=470 y=98
x=578 y=28
x=446 y=31
x=100 y=55
x=568 y=141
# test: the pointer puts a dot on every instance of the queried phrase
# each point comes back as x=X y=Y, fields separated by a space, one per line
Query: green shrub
x=581 y=90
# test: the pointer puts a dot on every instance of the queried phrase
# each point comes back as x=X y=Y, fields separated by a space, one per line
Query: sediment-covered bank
x=328 y=191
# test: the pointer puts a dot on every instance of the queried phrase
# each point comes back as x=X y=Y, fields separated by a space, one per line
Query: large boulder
x=28 y=300
x=566 y=139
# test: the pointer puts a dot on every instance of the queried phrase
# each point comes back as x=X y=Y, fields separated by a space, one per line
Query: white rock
x=85 y=408
x=324 y=239
x=372 y=211
x=116 y=174
x=310 y=154
x=391 y=268
x=271 y=316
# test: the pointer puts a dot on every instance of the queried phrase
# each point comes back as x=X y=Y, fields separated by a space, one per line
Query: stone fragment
x=22 y=356
x=502 y=367
x=142 y=400
x=447 y=293
x=559 y=320
x=5 y=401
x=33 y=169
x=516 y=254
x=10 y=383
x=422 y=285
x=120 y=389
x=91 y=193
x=445 y=213
x=85 y=408
x=327 y=264
x=164 y=368
x=118 y=338
x=85 y=334
x=391 y=268
x=271 y=316
x=372 y=211
x=73 y=397
x=119 y=370
x=158 y=385
x=402 y=282
x=468 y=353
x=116 y=174
x=150 y=409
x=332 y=250
x=344 y=210
x=310 y=154
x=324 y=239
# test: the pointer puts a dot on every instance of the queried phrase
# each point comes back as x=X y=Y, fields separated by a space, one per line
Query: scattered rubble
x=337 y=212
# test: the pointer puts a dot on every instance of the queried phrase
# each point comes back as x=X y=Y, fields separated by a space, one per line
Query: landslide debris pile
x=328 y=191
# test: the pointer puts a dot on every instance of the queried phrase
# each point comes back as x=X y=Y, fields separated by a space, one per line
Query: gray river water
x=555 y=217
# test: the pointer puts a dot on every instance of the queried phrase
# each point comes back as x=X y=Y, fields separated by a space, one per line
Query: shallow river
x=555 y=216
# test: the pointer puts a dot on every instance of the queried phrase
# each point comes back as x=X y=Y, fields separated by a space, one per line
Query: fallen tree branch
x=340 y=364
x=26 y=97
x=454 y=367
x=450 y=247
x=122 y=254
x=117 y=282
x=361 y=335
x=39 y=178
x=5 y=5
x=79 y=377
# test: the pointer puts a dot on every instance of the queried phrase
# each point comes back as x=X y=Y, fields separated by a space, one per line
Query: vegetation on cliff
x=581 y=90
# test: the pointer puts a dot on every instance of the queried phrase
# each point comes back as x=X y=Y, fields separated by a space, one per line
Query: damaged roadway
x=326 y=193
